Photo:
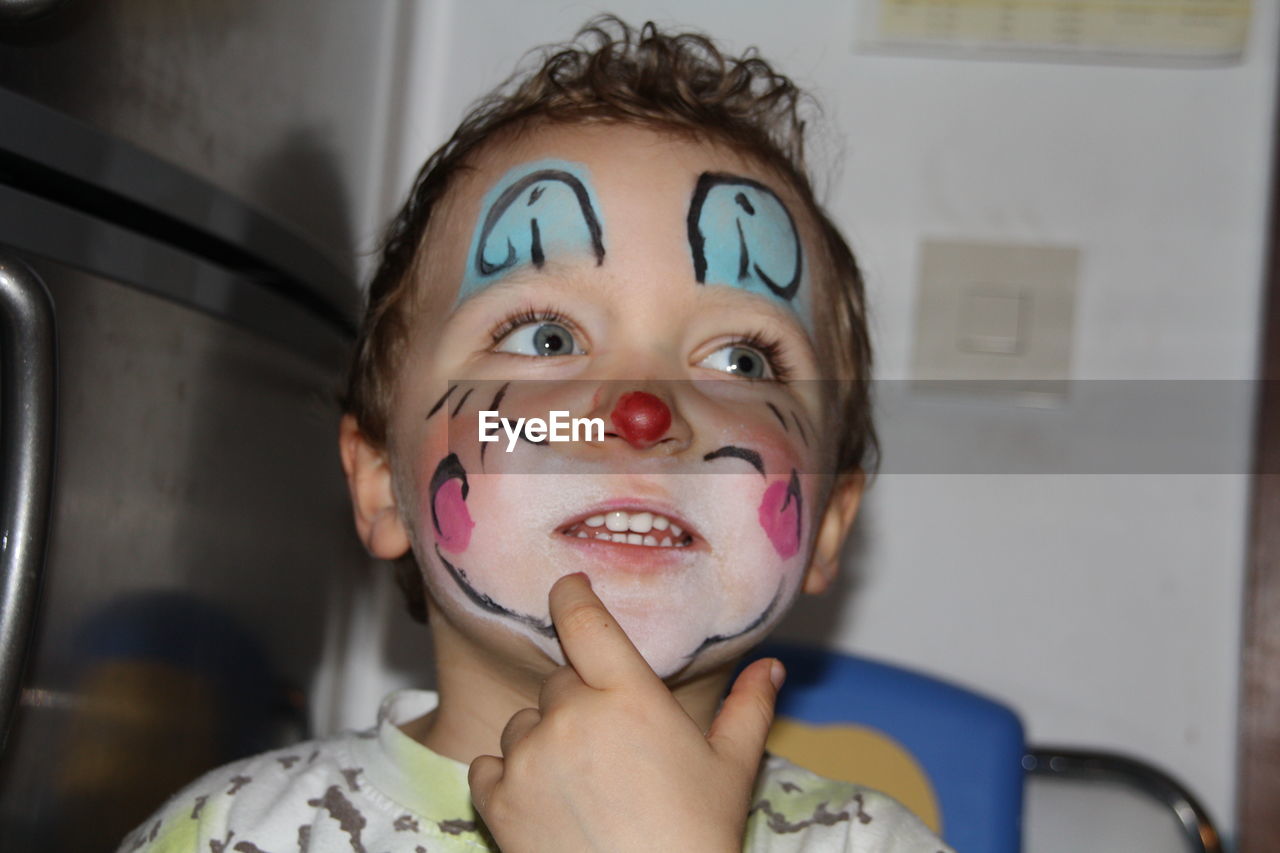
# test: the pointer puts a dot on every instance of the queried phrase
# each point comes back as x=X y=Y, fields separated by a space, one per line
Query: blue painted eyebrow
x=741 y=234
x=539 y=209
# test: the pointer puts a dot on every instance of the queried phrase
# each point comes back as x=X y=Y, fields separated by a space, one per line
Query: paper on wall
x=1148 y=32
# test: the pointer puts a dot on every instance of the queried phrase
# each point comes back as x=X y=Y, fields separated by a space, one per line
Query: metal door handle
x=28 y=389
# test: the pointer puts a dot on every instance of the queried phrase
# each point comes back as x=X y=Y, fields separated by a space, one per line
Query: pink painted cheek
x=452 y=517
x=780 y=519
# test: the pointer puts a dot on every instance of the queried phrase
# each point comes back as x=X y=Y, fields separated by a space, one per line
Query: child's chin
x=673 y=648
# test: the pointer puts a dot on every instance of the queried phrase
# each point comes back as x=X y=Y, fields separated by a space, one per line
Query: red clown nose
x=641 y=419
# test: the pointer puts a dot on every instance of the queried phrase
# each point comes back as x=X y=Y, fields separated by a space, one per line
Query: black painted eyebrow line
x=777 y=414
x=440 y=402
x=512 y=193
x=458 y=407
x=737 y=453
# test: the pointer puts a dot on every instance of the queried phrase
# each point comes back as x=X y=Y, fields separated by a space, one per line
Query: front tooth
x=666 y=541
x=649 y=540
x=616 y=521
x=582 y=534
x=634 y=538
x=641 y=522
x=603 y=535
x=595 y=521
x=676 y=531
x=620 y=537
x=660 y=522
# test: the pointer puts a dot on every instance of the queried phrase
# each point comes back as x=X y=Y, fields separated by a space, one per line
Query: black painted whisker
x=461 y=402
x=497 y=398
x=777 y=414
x=800 y=426
x=440 y=402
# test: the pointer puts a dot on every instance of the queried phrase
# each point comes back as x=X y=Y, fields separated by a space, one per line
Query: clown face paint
x=449 y=513
x=696 y=557
x=782 y=518
x=537 y=210
x=693 y=516
x=742 y=235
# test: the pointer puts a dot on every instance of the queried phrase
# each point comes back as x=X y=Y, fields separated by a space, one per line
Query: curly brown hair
x=612 y=72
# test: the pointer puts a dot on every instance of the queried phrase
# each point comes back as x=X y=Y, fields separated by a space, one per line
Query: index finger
x=593 y=641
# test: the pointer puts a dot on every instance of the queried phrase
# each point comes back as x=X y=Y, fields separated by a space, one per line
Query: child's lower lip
x=636 y=558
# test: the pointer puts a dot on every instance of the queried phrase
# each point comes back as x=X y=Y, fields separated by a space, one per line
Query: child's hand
x=610 y=761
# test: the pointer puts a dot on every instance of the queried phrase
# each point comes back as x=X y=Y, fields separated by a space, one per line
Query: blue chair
x=956 y=758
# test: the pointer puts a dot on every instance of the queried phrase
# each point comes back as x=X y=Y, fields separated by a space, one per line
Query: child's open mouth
x=643 y=527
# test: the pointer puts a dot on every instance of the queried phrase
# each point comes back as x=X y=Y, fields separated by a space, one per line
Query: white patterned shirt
x=380 y=791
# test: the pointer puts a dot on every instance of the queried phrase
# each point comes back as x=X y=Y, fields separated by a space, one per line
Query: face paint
x=749 y=456
x=453 y=524
x=449 y=512
x=777 y=414
x=487 y=604
x=781 y=516
x=763 y=618
x=441 y=401
x=804 y=436
x=535 y=211
x=504 y=534
x=461 y=403
x=742 y=235
x=494 y=532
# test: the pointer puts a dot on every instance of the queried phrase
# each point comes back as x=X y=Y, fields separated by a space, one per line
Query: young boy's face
x=576 y=266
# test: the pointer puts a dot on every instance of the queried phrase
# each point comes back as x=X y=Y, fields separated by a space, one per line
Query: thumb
x=740 y=729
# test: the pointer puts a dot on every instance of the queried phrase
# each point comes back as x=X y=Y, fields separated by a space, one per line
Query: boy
x=627 y=235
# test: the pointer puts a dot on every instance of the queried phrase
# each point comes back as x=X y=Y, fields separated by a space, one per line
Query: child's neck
x=479 y=694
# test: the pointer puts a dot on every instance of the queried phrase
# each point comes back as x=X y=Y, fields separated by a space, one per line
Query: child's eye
x=539 y=338
x=740 y=360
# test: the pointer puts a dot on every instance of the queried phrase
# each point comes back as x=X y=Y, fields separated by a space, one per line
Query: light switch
x=991 y=319
x=989 y=311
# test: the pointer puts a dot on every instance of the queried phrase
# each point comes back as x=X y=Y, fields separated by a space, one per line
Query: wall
x=1105 y=608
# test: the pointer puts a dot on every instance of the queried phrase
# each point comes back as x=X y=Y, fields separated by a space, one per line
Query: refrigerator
x=183 y=188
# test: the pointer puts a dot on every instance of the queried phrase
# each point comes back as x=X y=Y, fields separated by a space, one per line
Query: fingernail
x=777 y=674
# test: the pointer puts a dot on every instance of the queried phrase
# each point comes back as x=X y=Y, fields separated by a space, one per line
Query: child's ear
x=833 y=527
x=372 y=497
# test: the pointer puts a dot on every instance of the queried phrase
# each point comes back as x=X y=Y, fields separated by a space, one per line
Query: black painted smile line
x=487 y=604
x=755 y=623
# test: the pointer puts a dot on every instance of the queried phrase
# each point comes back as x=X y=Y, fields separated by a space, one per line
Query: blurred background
x=1064 y=232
